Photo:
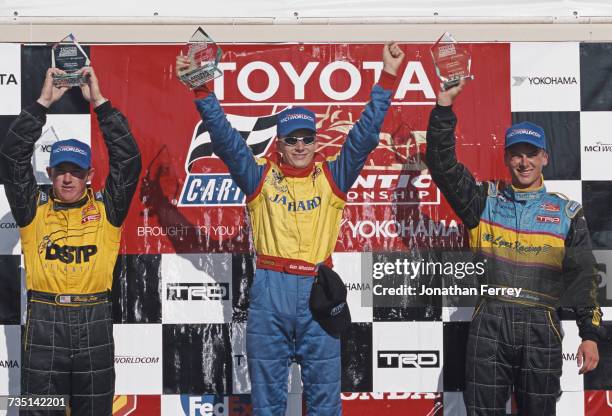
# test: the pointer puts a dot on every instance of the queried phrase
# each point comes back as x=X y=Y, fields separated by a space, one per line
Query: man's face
x=525 y=163
x=69 y=181
x=298 y=155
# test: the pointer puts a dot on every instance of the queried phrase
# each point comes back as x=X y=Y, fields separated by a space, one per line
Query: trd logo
x=70 y=254
x=408 y=359
x=198 y=291
x=546 y=218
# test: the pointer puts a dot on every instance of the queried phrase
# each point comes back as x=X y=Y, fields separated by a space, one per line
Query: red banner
x=393 y=204
x=417 y=404
x=136 y=405
x=597 y=403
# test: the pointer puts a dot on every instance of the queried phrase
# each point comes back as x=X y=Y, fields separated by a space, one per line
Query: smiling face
x=298 y=155
x=69 y=181
x=525 y=163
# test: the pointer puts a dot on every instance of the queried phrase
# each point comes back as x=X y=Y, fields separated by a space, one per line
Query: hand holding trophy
x=51 y=93
x=69 y=57
x=200 y=63
x=91 y=89
x=452 y=61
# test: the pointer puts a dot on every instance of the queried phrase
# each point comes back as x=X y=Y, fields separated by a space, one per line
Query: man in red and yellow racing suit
x=295 y=201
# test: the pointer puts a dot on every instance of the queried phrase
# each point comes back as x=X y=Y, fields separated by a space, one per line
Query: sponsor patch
x=547 y=219
x=43 y=198
x=572 y=208
x=88 y=218
x=87 y=208
x=547 y=206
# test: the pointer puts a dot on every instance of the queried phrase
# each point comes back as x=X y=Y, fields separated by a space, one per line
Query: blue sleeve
x=361 y=140
x=229 y=145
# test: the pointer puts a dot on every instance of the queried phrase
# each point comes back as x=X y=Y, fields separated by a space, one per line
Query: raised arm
x=17 y=148
x=466 y=196
x=364 y=135
x=123 y=153
x=227 y=142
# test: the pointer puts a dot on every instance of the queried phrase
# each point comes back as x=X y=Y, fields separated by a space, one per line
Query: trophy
x=452 y=61
x=204 y=55
x=69 y=56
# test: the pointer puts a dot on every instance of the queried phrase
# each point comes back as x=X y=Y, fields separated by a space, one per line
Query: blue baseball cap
x=72 y=151
x=526 y=132
x=293 y=119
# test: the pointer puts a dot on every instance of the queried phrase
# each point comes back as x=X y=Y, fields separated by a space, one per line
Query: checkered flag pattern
x=180 y=317
x=258 y=133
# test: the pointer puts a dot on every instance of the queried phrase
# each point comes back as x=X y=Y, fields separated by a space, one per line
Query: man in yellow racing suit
x=70 y=239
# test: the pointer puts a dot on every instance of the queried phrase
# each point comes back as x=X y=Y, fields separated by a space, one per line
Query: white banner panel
x=196 y=288
x=240 y=369
x=10 y=359
x=545 y=76
x=595 y=145
x=9 y=231
x=10 y=79
x=570 y=189
x=359 y=294
x=304 y=8
x=407 y=356
x=138 y=359
x=571 y=403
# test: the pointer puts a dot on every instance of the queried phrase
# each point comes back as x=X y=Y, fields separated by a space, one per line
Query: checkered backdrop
x=176 y=350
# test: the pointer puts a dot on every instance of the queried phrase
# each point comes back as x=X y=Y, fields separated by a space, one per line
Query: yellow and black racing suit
x=69 y=253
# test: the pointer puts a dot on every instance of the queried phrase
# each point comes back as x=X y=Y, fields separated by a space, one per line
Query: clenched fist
x=392 y=58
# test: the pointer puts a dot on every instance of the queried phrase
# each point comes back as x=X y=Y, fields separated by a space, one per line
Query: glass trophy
x=69 y=56
x=204 y=55
x=451 y=60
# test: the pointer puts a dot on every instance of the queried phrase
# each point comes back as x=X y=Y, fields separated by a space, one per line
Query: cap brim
x=527 y=140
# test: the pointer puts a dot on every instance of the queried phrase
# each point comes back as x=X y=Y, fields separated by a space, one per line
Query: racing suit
x=530 y=239
x=295 y=217
x=69 y=253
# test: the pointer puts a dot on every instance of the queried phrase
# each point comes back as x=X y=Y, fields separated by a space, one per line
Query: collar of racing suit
x=292 y=172
x=525 y=195
x=60 y=206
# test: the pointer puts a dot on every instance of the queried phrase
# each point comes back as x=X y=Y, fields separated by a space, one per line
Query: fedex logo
x=206 y=405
